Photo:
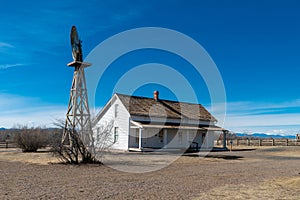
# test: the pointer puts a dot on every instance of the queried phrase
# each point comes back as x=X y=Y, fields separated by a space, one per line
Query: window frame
x=116 y=134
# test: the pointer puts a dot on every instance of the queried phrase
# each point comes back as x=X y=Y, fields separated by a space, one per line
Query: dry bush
x=103 y=139
x=83 y=152
x=54 y=136
x=31 y=139
x=74 y=153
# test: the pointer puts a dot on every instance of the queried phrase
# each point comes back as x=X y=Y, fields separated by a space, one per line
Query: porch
x=156 y=137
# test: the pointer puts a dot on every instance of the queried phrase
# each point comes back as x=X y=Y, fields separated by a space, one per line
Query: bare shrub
x=73 y=152
x=103 y=139
x=31 y=139
x=54 y=136
x=81 y=152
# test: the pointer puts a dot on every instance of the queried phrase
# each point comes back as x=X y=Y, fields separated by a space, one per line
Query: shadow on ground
x=243 y=149
x=224 y=157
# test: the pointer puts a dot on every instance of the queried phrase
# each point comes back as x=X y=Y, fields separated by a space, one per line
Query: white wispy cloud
x=252 y=108
x=30 y=111
x=6 y=66
x=276 y=118
x=44 y=118
x=4 y=44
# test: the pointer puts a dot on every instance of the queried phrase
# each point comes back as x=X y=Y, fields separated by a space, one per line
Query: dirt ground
x=264 y=173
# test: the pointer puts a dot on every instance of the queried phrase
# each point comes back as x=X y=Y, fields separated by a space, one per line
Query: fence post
x=237 y=142
x=260 y=142
x=248 y=142
x=273 y=142
x=287 y=142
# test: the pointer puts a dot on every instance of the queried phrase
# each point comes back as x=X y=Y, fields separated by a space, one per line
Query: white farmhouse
x=140 y=123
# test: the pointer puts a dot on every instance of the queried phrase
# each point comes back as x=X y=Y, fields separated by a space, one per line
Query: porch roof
x=179 y=126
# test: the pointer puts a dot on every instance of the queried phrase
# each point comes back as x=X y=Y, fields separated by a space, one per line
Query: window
x=116 y=110
x=116 y=134
x=203 y=138
x=137 y=135
x=180 y=137
x=161 y=135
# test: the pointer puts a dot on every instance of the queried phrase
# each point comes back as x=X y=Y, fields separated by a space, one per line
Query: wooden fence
x=8 y=145
x=261 y=142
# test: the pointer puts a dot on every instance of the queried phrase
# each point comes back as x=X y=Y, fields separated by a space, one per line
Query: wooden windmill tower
x=77 y=133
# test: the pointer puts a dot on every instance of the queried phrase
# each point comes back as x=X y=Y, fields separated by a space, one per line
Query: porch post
x=140 y=139
x=165 y=138
x=224 y=139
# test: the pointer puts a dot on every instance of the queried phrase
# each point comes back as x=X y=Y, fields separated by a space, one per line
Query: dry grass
x=281 y=188
x=42 y=157
x=266 y=173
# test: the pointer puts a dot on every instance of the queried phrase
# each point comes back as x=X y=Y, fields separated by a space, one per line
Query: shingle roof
x=143 y=106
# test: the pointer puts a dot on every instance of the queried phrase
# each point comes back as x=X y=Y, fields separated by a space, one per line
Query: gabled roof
x=143 y=106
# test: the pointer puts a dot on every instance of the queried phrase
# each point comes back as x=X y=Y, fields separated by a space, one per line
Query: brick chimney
x=156 y=95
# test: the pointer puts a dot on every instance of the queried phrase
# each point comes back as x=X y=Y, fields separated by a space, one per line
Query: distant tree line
x=229 y=136
x=30 y=139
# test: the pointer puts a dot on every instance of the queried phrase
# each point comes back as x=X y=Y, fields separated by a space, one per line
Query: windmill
x=77 y=135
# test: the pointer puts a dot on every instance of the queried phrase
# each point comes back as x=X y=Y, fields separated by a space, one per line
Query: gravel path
x=187 y=178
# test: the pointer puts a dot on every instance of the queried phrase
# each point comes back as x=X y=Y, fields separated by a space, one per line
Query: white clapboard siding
x=120 y=118
x=208 y=140
x=152 y=139
x=177 y=138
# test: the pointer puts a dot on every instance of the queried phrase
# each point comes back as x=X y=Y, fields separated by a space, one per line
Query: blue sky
x=255 y=45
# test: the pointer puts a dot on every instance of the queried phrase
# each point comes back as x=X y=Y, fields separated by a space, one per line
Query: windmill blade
x=76 y=45
x=74 y=36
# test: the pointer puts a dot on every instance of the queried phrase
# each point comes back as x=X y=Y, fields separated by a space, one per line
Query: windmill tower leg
x=78 y=135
